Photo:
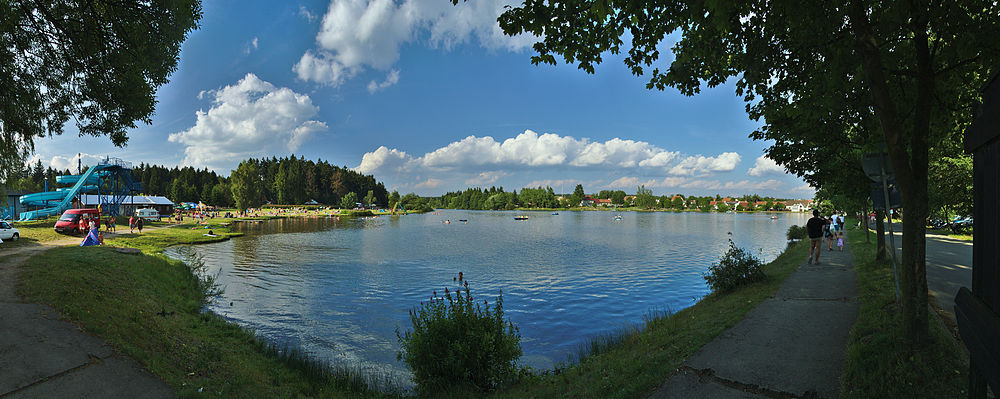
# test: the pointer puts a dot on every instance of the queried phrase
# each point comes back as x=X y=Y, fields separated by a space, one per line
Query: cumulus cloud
x=246 y=119
x=359 y=34
x=59 y=162
x=530 y=149
x=485 y=178
x=725 y=162
x=390 y=79
x=429 y=183
x=308 y=15
x=251 y=46
x=763 y=166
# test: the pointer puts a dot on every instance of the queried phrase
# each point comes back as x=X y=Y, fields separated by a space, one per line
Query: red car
x=69 y=222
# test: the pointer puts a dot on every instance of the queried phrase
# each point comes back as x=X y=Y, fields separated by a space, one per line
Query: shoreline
x=153 y=246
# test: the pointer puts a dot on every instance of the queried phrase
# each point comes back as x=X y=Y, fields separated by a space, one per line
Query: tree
x=98 y=63
x=349 y=201
x=247 y=185
x=393 y=198
x=915 y=66
x=370 y=198
x=577 y=196
x=644 y=198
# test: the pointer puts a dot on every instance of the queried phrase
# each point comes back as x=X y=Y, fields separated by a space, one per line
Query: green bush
x=796 y=232
x=458 y=343
x=736 y=267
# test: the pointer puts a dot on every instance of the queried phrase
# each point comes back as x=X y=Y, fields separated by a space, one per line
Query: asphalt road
x=949 y=267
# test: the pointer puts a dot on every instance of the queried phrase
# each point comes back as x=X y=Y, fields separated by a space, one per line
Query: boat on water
x=520 y=217
x=463 y=220
x=555 y=213
x=618 y=217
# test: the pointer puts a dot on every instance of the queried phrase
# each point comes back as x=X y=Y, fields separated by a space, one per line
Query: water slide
x=85 y=183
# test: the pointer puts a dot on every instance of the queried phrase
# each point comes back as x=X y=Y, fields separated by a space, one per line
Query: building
x=162 y=205
x=587 y=201
x=798 y=205
x=605 y=202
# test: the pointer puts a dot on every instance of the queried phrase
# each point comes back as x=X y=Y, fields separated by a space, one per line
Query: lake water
x=340 y=289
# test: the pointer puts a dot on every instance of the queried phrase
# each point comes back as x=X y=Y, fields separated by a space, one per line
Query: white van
x=148 y=214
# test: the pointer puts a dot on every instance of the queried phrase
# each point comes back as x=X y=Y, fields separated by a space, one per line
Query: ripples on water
x=340 y=289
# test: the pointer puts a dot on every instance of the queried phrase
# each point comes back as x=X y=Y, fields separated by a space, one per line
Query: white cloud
x=249 y=118
x=529 y=149
x=251 y=46
x=359 y=34
x=725 y=162
x=62 y=163
x=390 y=79
x=763 y=166
x=485 y=178
x=309 y=16
x=429 y=183
x=805 y=188
x=731 y=185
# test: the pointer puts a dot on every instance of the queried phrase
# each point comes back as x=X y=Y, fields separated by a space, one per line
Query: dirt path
x=42 y=355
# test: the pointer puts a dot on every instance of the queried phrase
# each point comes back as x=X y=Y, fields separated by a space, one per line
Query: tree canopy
x=97 y=62
x=839 y=75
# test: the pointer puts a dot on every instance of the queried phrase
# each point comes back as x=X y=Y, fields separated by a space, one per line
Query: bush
x=796 y=232
x=737 y=267
x=457 y=343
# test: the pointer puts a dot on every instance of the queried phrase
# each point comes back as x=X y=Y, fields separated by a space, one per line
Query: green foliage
x=97 y=63
x=246 y=183
x=644 y=198
x=736 y=268
x=349 y=201
x=370 y=198
x=577 y=196
x=457 y=341
x=951 y=193
x=796 y=232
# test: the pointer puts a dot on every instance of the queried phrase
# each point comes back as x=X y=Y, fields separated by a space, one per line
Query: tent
x=91 y=239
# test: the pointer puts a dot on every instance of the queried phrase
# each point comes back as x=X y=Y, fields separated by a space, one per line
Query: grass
x=149 y=307
x=156 y=240
x=879 y=362
x=632 y=361
x=950 y=234
x=35 y=232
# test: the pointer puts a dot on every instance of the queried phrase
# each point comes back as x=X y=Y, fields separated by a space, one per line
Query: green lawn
x=879 y=363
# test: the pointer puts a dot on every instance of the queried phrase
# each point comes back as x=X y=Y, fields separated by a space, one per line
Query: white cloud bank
x=484 y=160
x=359 y=34
x=764 y=166
x=62 y=163
x=249 y=118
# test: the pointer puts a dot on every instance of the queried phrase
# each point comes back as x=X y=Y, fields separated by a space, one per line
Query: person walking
x=131 y=223
x=829 y=232
x=138 y=224
x=814 y=227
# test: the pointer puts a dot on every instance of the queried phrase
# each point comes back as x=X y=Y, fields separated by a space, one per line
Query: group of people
x=818 y=228
x=87 y=224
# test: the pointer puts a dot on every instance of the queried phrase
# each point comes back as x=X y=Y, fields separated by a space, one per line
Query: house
x=132 y=202
x=798 y=205
x=606 y=202
x=587 y=201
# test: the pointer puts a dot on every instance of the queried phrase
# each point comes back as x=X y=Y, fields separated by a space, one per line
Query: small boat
x=555 y=213
x=618 y=217
x=521 y=217
x=463 y=220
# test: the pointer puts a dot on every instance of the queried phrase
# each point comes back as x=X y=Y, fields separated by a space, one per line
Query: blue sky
x=429 y=98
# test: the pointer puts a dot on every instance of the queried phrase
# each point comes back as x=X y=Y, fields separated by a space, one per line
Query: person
x=829 y=233
x=91 y=225
x=840 y=241
x=83 y=226
x=814 y=227
x=131 y=223
x=138 y=224
x=111 y=224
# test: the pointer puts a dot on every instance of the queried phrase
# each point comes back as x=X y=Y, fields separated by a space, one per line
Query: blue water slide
x=81 y=184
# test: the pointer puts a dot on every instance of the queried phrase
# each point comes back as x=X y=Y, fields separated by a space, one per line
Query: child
x=840 y=241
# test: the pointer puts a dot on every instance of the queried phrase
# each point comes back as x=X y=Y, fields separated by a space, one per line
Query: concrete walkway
x=790 y=346
x=43 y=356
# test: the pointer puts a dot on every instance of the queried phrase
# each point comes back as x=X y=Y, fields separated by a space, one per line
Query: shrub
x=458 y=343
x=796 y=232
x=736 y=267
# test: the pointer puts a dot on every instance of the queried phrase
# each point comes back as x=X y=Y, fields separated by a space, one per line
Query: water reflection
x=341 y=288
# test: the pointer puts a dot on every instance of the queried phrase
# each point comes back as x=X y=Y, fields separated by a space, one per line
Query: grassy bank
x=632 y=362
x=150 y=307
x=879 y=364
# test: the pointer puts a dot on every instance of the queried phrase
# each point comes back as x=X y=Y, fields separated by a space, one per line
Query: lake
x=340 y=289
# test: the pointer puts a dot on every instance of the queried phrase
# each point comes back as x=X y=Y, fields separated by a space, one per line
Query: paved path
x=790 y=346
x=43 y=356
x=949 y=267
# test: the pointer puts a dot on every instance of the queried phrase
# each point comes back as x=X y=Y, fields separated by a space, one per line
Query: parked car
x=8 y=231
x=148 y=214
x=961 y=225
x=69 y=222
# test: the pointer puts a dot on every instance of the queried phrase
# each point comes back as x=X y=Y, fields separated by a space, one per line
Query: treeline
x=32 y=178
x=297 y=181
x=185 y=184
x=496 y=198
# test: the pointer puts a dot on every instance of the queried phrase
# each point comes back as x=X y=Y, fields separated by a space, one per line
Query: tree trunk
x=909 y=167
x=881 y=251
